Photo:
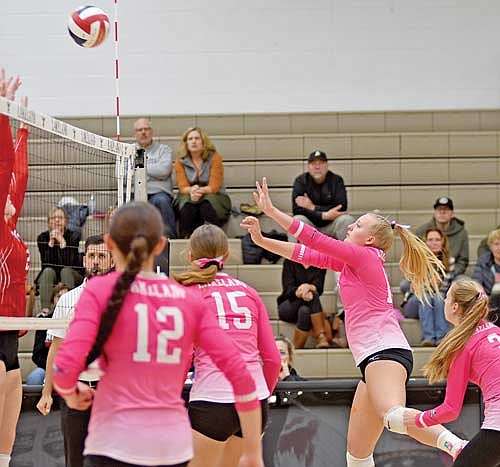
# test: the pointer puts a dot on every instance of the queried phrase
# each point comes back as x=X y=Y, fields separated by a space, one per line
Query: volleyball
x=88 y=26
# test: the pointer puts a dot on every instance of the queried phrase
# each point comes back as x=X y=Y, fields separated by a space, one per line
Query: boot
x=299 y=338
x=318 y=330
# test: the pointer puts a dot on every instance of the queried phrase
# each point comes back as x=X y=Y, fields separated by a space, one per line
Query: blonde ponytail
x=473 y=303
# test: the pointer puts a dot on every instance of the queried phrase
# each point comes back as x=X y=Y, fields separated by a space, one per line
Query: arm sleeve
x=299 y=189
x=458 y=377
x=161 y=169
x=216 y=173
x=71 y=356
x=181 y=177
x=269 y=353
x=20 y=181
x=341 y=252
x=7 y=158
x=304 y=255
x=220 y=348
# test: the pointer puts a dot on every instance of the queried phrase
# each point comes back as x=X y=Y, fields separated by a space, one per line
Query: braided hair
x=136 y=228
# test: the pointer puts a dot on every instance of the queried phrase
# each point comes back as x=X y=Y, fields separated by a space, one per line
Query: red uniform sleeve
x=220 y=349
x=340 y=252
x=458 y=378
x=71 y=356
x=7 y=158
x=19 y=181
x=269 y=353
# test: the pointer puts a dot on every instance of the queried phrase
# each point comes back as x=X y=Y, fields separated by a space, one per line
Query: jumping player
x=376 y=340
x=142 y=326
x=470 y=352
x=243 y=316
x=14 y=264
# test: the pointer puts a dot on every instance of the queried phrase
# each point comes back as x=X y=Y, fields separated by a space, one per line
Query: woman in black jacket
x=299 y=302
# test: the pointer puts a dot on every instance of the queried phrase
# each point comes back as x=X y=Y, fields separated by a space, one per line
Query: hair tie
x=480 y=294
x=203 y=263
x=394 y=224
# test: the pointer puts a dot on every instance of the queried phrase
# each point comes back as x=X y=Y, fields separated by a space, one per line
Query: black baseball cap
x=315 y=155
x=444 y=201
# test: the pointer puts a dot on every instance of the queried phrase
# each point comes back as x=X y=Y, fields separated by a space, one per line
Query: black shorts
x=9 y=346
x=217 y=420
x=402 y=356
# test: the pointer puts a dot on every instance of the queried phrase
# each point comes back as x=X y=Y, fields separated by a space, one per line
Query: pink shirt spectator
x=370 y=319
x=478 y=362
x=138 y=415
x=243 y=317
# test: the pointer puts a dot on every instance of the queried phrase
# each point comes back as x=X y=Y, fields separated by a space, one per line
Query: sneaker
x=251 y=209
x=460 y=449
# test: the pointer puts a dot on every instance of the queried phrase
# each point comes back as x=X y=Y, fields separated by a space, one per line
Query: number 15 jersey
x=242 y=315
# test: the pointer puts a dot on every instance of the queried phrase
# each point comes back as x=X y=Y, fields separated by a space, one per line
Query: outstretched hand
x=262 y=198
x=252 y=224
x=8 y=86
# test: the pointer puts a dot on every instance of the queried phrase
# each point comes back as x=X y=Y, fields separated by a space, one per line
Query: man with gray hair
x=158 y=164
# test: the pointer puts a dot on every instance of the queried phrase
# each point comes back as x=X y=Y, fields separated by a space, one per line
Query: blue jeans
x=36 y=377
x=434 y=324
x=164 y=203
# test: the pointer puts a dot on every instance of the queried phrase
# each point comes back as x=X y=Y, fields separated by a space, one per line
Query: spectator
x=42 y=344
x=288 y=372
x=319 y=198
x=59 y=254
x=483 y=247
x=200 y=173
x=431 y=312
x=299 y=302
x=487 y=271
x=158 y=163
x=454 y=229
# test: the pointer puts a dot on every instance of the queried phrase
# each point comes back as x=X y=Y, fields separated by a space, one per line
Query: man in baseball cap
x=319 y=198
x=454 y=229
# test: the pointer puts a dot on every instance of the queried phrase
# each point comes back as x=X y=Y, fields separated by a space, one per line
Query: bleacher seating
x=398 y=162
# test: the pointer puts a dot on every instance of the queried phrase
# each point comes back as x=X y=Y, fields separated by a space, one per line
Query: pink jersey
x=478 y=362
x=370 y=319
x=138 y=415
x=14 y=256
x=243 y=317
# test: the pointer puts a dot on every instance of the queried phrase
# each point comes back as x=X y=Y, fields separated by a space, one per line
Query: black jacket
x=294 y=274
x=324 y=195
x=56 y=257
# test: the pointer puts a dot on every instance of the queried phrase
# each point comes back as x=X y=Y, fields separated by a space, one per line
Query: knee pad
x=393 y=420
x=357 y=462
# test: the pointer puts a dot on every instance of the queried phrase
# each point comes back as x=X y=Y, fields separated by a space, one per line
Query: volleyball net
x=82 y=172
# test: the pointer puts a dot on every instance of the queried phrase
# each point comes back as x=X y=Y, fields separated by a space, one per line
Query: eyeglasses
x=146 y=128
x=56 y=217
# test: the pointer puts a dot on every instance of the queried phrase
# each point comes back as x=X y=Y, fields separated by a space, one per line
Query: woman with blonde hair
x=243 y=317
x=379 y=347
x=200 y=175
x=470 y=352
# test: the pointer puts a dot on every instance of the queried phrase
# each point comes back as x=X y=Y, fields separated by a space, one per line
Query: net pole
x=117 y=74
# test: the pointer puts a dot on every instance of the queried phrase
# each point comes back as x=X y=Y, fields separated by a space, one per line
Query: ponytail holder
x=203 y=263
x=394 y=224
x=480 y=294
